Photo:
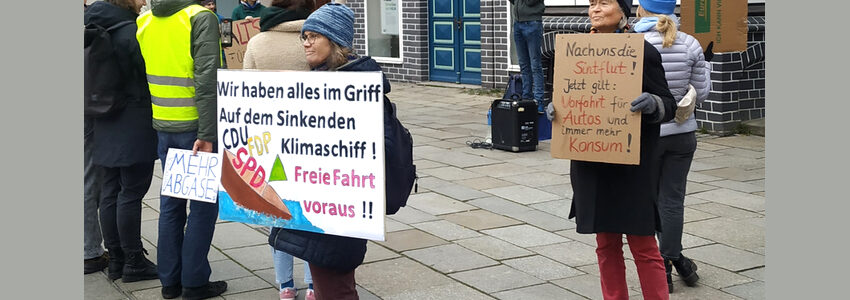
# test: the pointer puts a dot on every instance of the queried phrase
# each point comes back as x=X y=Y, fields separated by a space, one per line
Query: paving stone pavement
x=490 y=224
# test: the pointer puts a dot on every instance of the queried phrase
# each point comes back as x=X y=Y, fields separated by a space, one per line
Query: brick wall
x=414 y=27
x=494 y=43
x=737 y=85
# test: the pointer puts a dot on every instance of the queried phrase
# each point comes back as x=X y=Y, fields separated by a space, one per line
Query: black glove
x=550 y=111
x=645 y=103
x=709 y=54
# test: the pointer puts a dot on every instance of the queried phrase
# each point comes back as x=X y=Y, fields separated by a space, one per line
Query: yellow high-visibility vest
x=166 y=45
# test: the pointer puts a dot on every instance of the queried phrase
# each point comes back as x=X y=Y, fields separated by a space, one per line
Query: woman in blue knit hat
x=612 y=200
x=327 y=37
x=687 y=74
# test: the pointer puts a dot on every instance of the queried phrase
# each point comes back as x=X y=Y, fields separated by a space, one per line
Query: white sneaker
x=288 y=293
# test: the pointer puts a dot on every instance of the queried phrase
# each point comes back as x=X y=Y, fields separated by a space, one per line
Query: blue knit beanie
x=333 y=20
x=661 y=7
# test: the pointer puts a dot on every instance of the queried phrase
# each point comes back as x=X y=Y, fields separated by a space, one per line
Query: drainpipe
x=493 y=40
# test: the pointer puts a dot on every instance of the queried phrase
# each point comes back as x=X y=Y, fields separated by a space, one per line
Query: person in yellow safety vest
x=179 y=40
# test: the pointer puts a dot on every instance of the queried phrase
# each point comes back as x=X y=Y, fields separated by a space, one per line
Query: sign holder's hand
x=645 y=103
x=550 y=111
x=201 y=145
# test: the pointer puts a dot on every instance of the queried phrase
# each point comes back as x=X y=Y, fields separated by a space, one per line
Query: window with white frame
x=383 y=29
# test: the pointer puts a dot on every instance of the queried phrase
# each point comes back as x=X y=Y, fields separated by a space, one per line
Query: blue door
x=455 y=40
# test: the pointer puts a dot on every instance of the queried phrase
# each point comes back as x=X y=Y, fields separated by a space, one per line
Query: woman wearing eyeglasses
x=278 y=47
x=327 y=37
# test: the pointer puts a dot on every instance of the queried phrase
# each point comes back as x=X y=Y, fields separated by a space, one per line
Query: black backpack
x=103 y=79
x=513 y=91
x=398 y=160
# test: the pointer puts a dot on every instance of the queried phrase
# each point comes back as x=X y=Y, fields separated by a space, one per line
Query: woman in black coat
x=125 y=147
x=614 y=199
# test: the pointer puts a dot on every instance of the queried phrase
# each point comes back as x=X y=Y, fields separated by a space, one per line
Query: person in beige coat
x=278 y=47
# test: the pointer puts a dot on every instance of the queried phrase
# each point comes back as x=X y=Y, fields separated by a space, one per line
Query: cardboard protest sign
x=303 y=150
x=193 y=177
x=595 y=79
x=243 y=30
x=722 y=21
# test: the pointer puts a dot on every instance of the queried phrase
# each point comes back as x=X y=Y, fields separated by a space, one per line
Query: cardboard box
x=722 y=21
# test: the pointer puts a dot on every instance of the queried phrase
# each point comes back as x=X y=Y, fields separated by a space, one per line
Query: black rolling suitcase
x=514 y=125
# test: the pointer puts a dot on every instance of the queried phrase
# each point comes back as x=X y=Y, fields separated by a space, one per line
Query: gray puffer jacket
x=684 y=63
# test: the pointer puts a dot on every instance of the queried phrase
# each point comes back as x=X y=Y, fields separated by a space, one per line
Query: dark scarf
x=274 y=15
x=627 y=28
x=324 y=66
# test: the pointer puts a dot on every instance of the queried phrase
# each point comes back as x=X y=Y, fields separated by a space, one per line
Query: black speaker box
x=514 y=125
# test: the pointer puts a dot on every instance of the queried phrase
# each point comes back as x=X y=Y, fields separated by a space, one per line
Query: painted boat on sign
x=260 y=197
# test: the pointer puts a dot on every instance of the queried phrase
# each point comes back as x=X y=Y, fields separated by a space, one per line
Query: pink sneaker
x=310 y=295
x=288 y=294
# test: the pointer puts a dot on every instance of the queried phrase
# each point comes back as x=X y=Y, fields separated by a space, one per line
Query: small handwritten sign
x=193 y=177
x=243 y=31
x=595 y=79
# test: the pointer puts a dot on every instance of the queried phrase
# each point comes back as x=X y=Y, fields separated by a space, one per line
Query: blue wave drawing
x=229 y=211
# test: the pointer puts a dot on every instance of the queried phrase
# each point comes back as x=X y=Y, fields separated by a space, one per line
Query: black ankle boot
x=668 y=268
x=687 y=269
x=209 y=290
x=116 y=263
x=172 y=291
x=138 y=267
x=96 y=264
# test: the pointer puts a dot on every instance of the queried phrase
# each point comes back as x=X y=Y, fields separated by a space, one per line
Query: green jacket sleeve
x=206 y=52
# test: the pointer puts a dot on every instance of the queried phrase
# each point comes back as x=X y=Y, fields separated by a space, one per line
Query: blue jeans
x=283 y=268
x=182 y=257
x=92 y=237
x=528 y=37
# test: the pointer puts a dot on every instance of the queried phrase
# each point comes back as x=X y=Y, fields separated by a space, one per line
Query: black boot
x=687 y=269
x=116 y=263
x=96 y=264
x=209 y=290
x=668 y=267
x=138 y=267
x=172 y=291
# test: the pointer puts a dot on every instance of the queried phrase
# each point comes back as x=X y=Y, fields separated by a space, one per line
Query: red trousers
x=612 y=266
x=333 y=285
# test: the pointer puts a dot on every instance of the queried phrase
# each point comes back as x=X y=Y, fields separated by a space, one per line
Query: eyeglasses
x=309 y=38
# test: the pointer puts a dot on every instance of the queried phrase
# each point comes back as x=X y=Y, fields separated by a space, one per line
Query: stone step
x=755 y=126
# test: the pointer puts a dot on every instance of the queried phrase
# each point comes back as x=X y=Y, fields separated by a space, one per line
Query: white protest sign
x=303 y=150
x=193 y=177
